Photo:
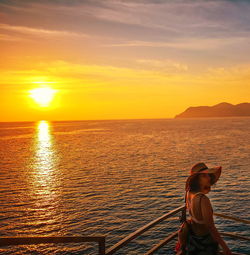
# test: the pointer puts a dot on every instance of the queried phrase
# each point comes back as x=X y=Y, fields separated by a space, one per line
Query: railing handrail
x=246 y=238
x=232 y=218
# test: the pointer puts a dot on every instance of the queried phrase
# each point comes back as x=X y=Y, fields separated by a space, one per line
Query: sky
x=117 y=59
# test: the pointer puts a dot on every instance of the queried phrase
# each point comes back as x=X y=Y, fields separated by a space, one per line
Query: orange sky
x=122 y=59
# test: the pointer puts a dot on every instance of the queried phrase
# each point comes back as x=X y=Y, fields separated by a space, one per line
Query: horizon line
x=83 y=120
x=74 y=120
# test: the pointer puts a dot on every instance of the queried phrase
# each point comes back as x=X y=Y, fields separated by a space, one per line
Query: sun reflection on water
x=43 y=216
x=45 y=159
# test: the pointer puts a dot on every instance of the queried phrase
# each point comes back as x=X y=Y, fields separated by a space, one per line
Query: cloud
x=6 y=37
x=200 y=33
x=175 y=18
x=170 y=72
x=138 y=20
x=232 y=73
x=187 y=43
x=68 y=74
x=167 y=65
x=39 y=31
x=178 y=18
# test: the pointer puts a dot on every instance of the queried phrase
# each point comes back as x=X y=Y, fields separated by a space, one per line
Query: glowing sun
x=42 y=96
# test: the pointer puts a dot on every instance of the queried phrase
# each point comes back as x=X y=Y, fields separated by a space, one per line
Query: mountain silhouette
x=219 y=110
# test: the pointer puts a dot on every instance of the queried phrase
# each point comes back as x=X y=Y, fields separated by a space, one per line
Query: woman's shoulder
x=197 y=194
x=205 y=202
x=201 y=203
x=200 y=197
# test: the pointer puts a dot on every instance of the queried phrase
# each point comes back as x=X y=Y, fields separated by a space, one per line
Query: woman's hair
x=193 y=184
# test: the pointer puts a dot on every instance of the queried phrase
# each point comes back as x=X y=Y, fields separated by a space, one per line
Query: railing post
x=102 y=246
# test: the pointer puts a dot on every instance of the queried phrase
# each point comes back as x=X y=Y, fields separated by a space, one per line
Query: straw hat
x=202 y=168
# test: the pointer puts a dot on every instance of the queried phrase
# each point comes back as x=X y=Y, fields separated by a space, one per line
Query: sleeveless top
x=189 y=206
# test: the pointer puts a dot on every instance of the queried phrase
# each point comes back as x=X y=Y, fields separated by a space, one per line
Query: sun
x=42 y=96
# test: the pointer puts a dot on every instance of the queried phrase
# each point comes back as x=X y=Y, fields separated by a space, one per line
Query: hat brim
x=216 y=171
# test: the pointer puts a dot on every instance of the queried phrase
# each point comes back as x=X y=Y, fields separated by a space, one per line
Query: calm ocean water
x=111 y=177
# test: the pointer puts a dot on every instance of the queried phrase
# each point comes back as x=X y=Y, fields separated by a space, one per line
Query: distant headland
x=219 y=110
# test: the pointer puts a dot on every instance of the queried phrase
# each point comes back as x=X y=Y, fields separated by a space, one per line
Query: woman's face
x=204 y=180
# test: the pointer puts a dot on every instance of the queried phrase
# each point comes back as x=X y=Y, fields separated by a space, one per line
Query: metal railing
x=141 y=230
x=5 y=241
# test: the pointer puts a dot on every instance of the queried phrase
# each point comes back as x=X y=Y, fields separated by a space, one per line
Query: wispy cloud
x=137 y=20
x=39 y=31
x=166 y=65
x=168 y=72
x=188 y=43
x=170 y=18
x=79 y=75
x=6 y=37
x=173 y=18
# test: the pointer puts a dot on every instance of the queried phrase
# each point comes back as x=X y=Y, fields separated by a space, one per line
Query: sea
x=111 y=177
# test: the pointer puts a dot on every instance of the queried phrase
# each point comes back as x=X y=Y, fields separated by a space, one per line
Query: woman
x=204 y=238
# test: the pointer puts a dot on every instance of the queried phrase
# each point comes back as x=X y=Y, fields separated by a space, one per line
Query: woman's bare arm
x=207 y=213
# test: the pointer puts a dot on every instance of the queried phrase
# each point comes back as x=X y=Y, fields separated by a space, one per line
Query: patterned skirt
x=201 y=245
